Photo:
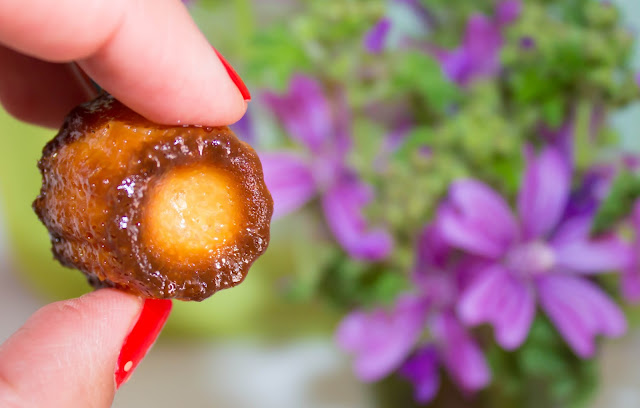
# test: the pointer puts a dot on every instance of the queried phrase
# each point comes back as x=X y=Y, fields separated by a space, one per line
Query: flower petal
x=575 y=251
x=461 y=355
x=289 y=180
x=477 y=219
x=422 y=370
x=382 y=339
x=456 y=65
x=478 y=56
x=497 y=298
x=343 y=204
x=544 y=192
x=630 y=282
x=482 y=42
x=245 y=129
x=304 y=111
x=375 y=38
x=508 y=11
x=432 y=251
x=580 y=311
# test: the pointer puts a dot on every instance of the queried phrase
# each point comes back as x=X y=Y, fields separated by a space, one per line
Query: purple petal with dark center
x=460 y=354
x=594 y=187
x=477 y=219
x=574 y=250
x=543 y=193
x=498 y=298
x=381 y=339
x=422 y=370
x=290 y=181
x=304 y=111
x=432 y=251
x=375 y=38
x=580 y=311
x=508 y=11
x=343 y=206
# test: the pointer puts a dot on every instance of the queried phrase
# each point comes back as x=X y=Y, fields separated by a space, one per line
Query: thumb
x=69 y=353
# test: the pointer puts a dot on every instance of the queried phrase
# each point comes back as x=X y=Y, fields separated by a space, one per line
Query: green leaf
x=417 y=138
x=290 y=52
x=553 y=111
x=624 y=192
x=419 y=73
x=348 y=283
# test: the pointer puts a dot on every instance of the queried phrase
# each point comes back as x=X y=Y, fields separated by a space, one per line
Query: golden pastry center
x=192 y=211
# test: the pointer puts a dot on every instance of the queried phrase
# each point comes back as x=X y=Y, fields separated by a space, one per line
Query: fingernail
x=235 y=77
x=153 y=316
x=90 y=88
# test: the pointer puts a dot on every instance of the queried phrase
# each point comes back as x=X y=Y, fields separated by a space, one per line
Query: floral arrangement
x=459 y=162
x=472 y=211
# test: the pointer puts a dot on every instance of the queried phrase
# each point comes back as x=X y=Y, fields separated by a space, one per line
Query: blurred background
x=270 y=341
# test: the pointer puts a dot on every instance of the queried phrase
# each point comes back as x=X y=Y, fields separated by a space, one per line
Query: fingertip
x=72 y=344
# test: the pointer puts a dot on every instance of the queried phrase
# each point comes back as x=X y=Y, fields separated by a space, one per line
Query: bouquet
x=470 y=209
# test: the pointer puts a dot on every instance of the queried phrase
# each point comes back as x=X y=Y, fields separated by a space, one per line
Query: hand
x=150 y=55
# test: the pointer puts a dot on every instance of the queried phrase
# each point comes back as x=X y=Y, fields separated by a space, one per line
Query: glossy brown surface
x=163 y=212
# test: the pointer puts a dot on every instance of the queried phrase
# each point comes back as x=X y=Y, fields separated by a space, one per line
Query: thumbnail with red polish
x=153 y=316
x=235 y=77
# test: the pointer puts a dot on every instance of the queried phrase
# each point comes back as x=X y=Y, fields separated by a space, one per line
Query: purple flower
x=561 y=138
x=596 y=185
x=294 y=178
x=527 y=42
x=383 y=340
x=539 y=256
x=455 y=350
x=479 y=54
x=630 y=283
x=593 y=188
x=244 y=129
x=508 y=11
x=375 y=38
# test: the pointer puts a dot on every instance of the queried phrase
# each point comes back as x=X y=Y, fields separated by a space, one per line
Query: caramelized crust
x=160 y=211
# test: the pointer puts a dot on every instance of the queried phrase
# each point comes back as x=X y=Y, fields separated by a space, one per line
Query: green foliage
x=619 y=203
x=419 y=74
x=542 y=373
x=291 y=52
x=347 y=283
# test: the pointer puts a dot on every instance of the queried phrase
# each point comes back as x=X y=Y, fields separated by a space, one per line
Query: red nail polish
x=235 y=77
x=153 y=316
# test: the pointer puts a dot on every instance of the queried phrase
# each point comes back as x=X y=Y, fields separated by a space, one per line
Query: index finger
x=147 y=53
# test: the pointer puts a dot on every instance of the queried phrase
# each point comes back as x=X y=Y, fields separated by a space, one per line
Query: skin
x=150 y=55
